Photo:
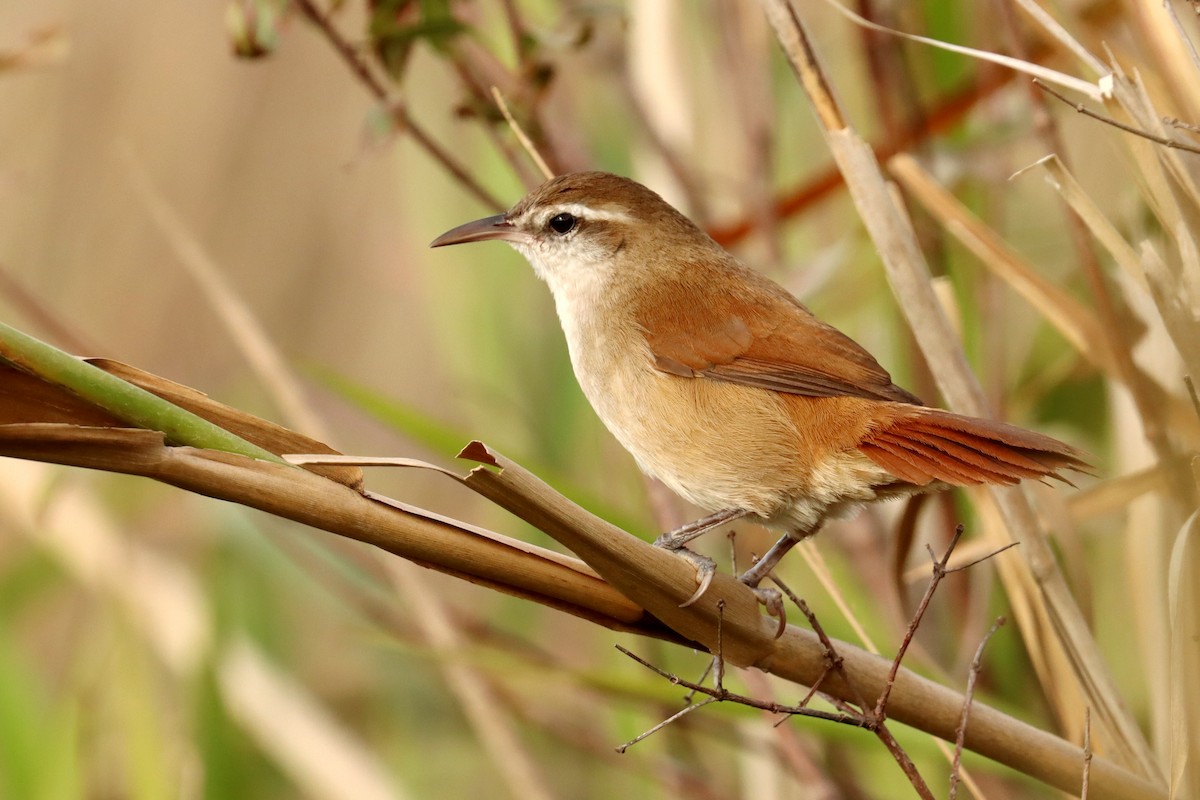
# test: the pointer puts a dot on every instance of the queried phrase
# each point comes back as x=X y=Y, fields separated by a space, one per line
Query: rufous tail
x=934 y=445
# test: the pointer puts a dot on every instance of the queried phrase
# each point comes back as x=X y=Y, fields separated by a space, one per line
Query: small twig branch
x=719 y=658
x=516 y=29
x=678 y=715
x=982 y=558
x=398 y=112
x=522 y=137
x=961 y=734
x=836 y=662
x=1087 y=752
x=870 y=719
x=724 y=695
x=1175 y=122
x=691 y=696
x=1087 y=112
x=1191 y=387
x=939 y=572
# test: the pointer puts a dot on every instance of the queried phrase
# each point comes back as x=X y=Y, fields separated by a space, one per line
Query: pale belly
x=722 y=445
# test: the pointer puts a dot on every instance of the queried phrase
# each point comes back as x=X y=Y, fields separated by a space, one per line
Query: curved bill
x=481 y=230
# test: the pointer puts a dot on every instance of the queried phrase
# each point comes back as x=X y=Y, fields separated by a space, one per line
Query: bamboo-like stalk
x=634 y=587
x=131 y=403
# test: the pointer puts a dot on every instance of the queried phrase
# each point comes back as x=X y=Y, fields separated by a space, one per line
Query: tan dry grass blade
x=1059 y=177
x=1029 y=68
x=1059 y=33
x=1171 y=191
x=1070 y=317
x=526 y=143
x=1130 y=96
x=909 y=276
x=1178 y=318
x=1183 y=603
x=306 y=741
x=1115 y=494
x=1077 y=324
x=1148 y=271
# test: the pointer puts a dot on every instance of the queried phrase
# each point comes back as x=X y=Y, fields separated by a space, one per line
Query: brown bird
x=725 y=387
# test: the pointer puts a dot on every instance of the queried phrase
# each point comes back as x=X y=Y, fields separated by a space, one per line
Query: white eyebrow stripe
x=586 y=213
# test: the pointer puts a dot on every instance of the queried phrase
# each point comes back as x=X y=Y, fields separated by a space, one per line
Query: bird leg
x=769 y=597
x=676 y=540
x=762 y=568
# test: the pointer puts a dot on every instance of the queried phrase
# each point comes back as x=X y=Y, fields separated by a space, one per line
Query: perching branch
x=626 y=584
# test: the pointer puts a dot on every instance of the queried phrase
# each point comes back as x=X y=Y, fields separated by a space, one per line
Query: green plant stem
x=129 y=403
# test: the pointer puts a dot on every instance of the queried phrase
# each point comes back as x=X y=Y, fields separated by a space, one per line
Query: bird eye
x=564 y=223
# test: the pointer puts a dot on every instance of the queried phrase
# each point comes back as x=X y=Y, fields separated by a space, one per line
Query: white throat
x=577 y=283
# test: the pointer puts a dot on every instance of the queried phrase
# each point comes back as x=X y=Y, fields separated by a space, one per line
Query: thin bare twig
x=522 y=137
x=1191 y=387
x=1175 y=122
x=832 y=658
x=678 y=715
x=726 y=695
x=960 y=735
x=939 y=572
x=1087 y=112
x=982 y=558
x=872 y=720
x=1087 y=752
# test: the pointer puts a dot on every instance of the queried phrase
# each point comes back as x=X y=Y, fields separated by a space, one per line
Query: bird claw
x=705 y=569
x=772 y=599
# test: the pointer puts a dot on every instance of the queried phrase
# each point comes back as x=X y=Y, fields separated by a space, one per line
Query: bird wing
x=761 y=337
x=764 y=337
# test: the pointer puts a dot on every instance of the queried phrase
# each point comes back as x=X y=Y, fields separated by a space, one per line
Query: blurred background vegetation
x=155 y=644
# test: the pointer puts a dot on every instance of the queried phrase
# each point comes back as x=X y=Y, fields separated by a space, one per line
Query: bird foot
x=772 y=599
x=676 y=540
